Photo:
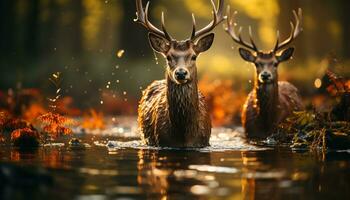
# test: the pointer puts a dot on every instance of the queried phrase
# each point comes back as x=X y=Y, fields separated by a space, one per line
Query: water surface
x=114 y=164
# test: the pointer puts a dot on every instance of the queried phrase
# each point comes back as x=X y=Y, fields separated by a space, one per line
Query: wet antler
x=237 y=37
x=296 y=30
x=218 y=14
x=142 y=18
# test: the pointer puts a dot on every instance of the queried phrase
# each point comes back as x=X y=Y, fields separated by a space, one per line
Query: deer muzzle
x=181 y=75
x=265 y=77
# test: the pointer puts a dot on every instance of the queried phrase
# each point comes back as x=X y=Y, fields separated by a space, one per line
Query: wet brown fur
x=268 y=105
x=174 y=115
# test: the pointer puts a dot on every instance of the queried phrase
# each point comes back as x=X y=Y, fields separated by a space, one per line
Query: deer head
x=266 y=63
x=181 y=55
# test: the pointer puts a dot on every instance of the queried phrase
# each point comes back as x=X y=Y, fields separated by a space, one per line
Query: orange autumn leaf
x=224 y=104
x=2 y=119
x=93 y=120
x=24 y=132
x=2 y=138
x=33 y=112
x=339 y=85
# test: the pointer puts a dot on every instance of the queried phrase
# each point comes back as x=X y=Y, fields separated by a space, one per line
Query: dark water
x=230 y=169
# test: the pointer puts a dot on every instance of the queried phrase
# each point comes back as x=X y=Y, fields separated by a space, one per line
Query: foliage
x=33 y=112
x=2 y=122
x=55 y=124
x=2 y=119
x=316 y=130
x=224 y=104
x=327 y=128
x=94 y=120
x=25 y=137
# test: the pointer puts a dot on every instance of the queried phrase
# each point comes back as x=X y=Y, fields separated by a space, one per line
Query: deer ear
x=158 y=44
x=285 y=54
x=204 y=43
x=247 y=55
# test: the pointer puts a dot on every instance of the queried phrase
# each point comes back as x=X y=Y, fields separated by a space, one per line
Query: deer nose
x=265 y=76
x=181 y=74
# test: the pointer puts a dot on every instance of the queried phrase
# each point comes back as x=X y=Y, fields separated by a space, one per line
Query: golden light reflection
x=335 y=29
x=318 y=83
x=264 y=11
x=91 y=23
x=200 y=8
x=150 y=175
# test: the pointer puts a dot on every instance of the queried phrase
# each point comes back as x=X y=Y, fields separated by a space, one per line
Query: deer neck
x=183 y=105
x=267 y=101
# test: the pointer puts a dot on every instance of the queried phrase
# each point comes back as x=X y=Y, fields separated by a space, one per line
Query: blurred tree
x=76 y=29
x=7 y=8
x=133 y=34
x=345 y=19
x=32 y=29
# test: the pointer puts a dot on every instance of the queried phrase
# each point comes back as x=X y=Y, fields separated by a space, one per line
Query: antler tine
x=193 y=35
x=218 y=17
x=295 y=30
x=251 y=39
x=140 y=14
x=142 y=18
x=230 y=29
x=167 y=36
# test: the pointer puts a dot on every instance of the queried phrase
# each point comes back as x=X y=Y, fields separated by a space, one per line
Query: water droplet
x=109 y=83
x=318 y=83
x=107 y=86
x=117 y=67
x=124 y=93
x=155 y=57
x=120 y=53
x=101 y=102
x=118 y=81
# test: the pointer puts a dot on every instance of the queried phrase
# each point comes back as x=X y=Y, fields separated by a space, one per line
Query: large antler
x=142 y=18
x=237 y=37
x=296 y=30
x=218 y=14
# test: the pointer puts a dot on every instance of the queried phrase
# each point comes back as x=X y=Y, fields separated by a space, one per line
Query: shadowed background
x=106 y=61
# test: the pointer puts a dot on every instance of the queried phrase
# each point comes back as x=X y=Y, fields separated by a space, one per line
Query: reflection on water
x=115 y=167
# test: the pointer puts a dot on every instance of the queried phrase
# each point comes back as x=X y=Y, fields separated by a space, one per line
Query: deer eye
x=193 y=58
x=259 y=64
x=168 y=58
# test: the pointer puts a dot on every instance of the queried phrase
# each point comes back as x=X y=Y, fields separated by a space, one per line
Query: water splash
x=155 y=57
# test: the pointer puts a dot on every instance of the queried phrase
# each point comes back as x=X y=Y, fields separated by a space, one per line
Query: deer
x=271 y=101
x=172 y=112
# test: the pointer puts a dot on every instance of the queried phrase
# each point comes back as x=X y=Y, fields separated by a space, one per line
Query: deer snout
x=265 y=77
x=181 y=75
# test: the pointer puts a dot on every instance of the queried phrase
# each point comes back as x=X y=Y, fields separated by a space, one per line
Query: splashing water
x=222 y=139
x=155 y=57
